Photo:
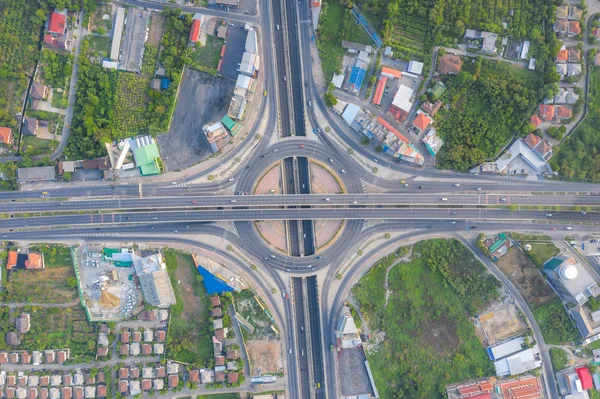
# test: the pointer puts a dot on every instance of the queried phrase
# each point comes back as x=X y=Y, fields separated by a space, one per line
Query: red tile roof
x=160 y=335
x=546 y=112
x=146 y=349
x=391 y=128
x=563 y=112
x=5 y=135
x=194 y=375
x=450 y=64
x=12 y=259
x=100 y=391
x=232 y=378
x=125 y=337
x=574 y=55
x=585 y=377
x=215 y=301
x=195 y=31
x=392 y=72
x=147 y=384
x=481 y=396
x=532 y=140
x=563 y=55
x=421 y=121
x=399 y=114
x=536 y=121
x=379 y=90
x=219 y=360
x=57 y=23
x=173 y=380
x=574 y=27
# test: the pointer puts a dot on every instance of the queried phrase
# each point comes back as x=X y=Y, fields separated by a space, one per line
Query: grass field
x=429 y=339
x=335 y=25
x=189 y=338
x=209 y=55
x=41 y=146
x=57 y=99
x=559 y=358
x=541 y=252
x=100 y=45
x=54 y=255
x=555 y=323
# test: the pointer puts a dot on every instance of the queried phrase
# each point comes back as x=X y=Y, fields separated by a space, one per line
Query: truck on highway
x=331 y=348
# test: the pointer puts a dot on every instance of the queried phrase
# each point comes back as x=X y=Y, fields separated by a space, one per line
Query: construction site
x=109 y=286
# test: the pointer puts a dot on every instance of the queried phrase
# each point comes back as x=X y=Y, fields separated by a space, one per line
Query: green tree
x=330 y=99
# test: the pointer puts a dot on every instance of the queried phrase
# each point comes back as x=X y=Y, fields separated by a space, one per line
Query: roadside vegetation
x=336 y=23
x=559 y=358
x=429 y=339
x=555 y=323
x=490 y=102
x=190 y=331
x=577 y=158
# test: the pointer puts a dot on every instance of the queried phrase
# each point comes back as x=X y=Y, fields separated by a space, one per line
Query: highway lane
x=450 y=214
x=315 y=336
x=299 y=326
x=304 y=199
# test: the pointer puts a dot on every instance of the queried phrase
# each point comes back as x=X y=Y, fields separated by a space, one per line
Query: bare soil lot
x=202 y=99
x=46 y=285
x=157 y=24
x=500 y=323
x=265 y=356
x=526 y=277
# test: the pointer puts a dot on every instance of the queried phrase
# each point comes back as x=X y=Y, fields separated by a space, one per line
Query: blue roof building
x=357 y=77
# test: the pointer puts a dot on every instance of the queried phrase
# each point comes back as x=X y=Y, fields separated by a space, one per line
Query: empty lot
x=202 y=99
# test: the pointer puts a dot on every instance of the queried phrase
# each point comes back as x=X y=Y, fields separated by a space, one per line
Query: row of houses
x=137 y=343
x=57 y=386
x=245 y=84
x=50 y=356
x=226 y=368
x=523 y=387
x=376 y=128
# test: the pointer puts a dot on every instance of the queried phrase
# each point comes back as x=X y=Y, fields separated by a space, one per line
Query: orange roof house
x=391 y=73
x=546 y=112
x=34 y=261
x=195 y=31
x=563 y=112
x=536 y=121
x=421 y=121
x=379 y=90
x=532 y=140
x=12 y=260
x=563 y=55
x=5 y=135
x=560 y=26
x=574 y=28
x=450 y=64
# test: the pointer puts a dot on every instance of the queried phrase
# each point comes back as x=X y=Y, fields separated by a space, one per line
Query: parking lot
x=202 y=98
x=236 y=45
x=110 y=292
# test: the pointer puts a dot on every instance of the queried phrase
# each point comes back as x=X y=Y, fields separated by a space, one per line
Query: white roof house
x=415 y=67
x=350 y=113
x=402 y=98
x=251 y=42
x=249 y=64
x=518 y=363
x=338 y=80
x=117 y=34
x=525 y=49
x=505 y=348
x=520 y=156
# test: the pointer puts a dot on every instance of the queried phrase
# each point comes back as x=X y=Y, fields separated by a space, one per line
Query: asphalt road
x=305 y=199
x=299 y=326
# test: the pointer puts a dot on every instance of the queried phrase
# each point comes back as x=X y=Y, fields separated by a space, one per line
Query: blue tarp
x=165 y=83
x=212 y=283
x=356 y=77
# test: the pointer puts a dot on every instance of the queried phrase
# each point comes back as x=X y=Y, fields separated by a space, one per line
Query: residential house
x=172 y=368
x=450 y=64
x=3 y=357
x=134 y=349
x=6 y=135
x=125 y=337
x=124 y=350
x=123 y=386
x=574 y=28
x=430 y=108
x=158 y=384
x=148 y=335
x=219 y=376
x=148 y=372
x=563 y=112
x=146 y=385
x=36 y=358
x=137 y=336
x=561 y=26
x=194 y=376
x=214 y=312
x=159 y=349
x=561 y=69
x=67 y=379
x=161 y=335
x=217 y=324
x=546 y=112
x=67 y=392
x=101 y=391
x=575 y=13
x=220 y=334
x=61 y=356
x=219 y=360
x=161 y=372
x=232 y=378
x=232 y=354
x=535 y=121
x=134 y=388
x=57 y=35
x=123 y=373
x=102 y=351
x=215 y=301
x=195 y=31
x=574 y=55
x=39 y=91
x=90 y=392
x=146 y=349
x=562 y=12
x=134 y=372
x=173 y=381
x=25 y=358
x=12 y=338
x=563 y=55
x=421 y=121
x=573 y=69
x=30 y=126
x=231 y=366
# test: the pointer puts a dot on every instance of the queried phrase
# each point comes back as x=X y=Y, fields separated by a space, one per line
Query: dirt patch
x=202 y=99
x=500 y=323
x=322 y=181
x=157 y=25
x=442 y=336
x=270 y=181
x=265 y=356
x=526 y=277
x=325 y=231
